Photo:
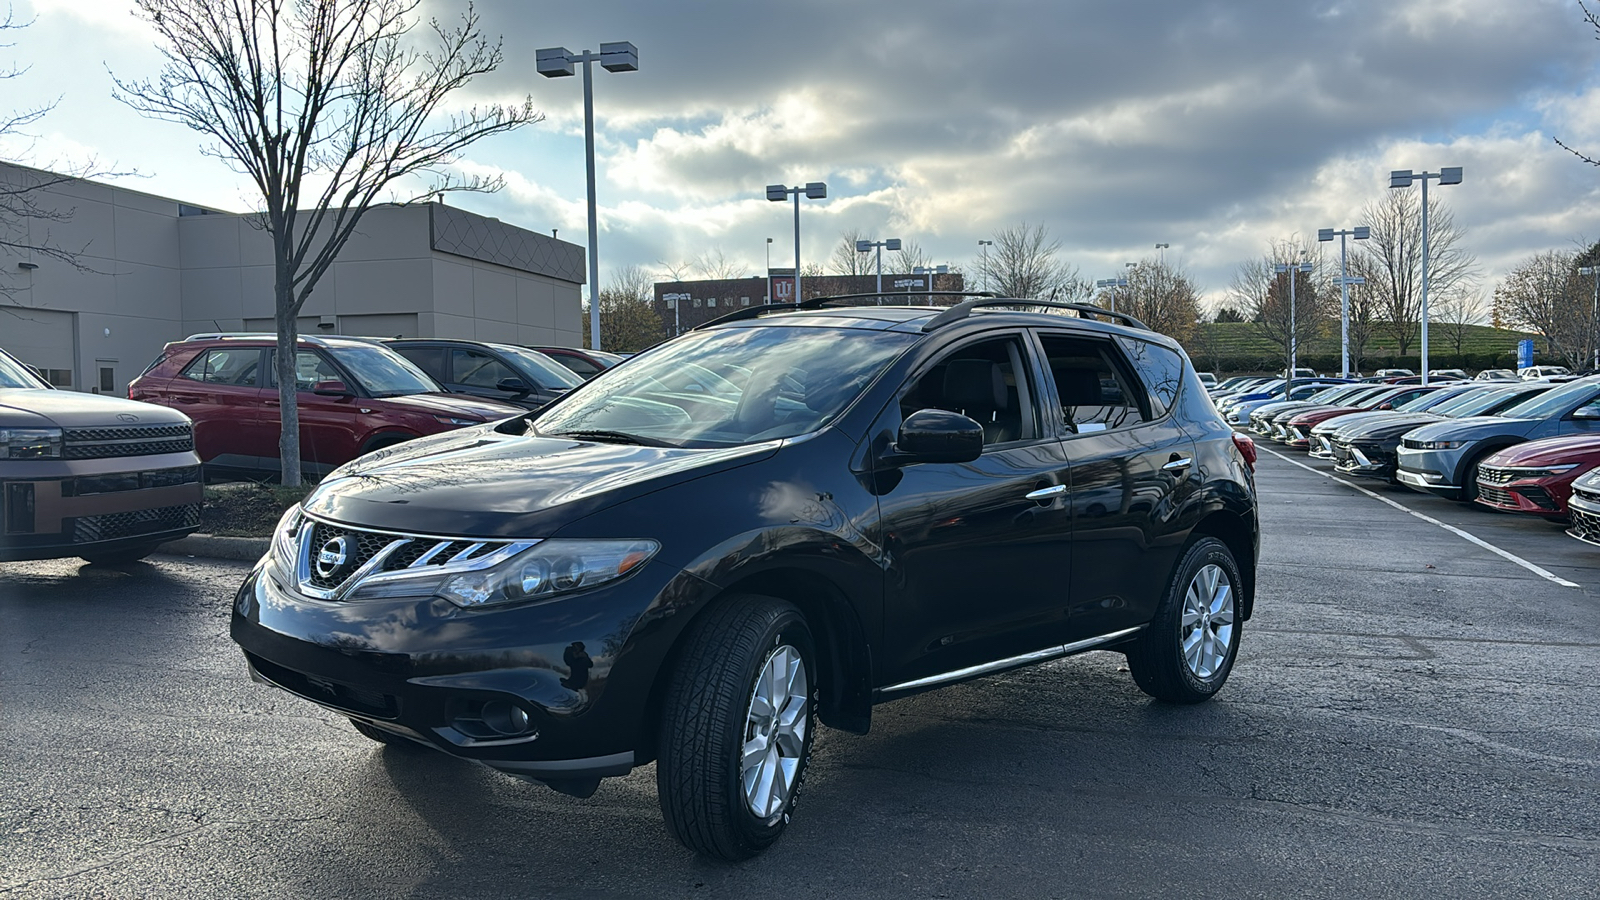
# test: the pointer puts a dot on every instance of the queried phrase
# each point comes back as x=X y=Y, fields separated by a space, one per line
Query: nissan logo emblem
x=332 y=555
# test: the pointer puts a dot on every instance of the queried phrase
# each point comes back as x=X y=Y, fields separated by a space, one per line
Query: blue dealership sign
x=1524 y=353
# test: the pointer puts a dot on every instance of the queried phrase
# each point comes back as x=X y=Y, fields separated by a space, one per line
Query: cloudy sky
x=1213 y=126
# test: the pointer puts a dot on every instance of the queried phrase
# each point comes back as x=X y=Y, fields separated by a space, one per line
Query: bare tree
x=714 y=265
x=1366 y=309
x=1455 y=314
x=323 y=104
x=1543 y=294
x=26 y=213
x=847 y=260
x=1288 y=321
x=1594 y=23
x=1396 y=251
x=910 y=256
x=628 y=318
x=1024 y=263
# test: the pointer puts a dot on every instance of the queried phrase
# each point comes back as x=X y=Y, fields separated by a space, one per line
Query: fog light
x=505 y=717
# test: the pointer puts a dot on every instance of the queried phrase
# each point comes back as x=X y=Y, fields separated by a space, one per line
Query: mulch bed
x=247 y=509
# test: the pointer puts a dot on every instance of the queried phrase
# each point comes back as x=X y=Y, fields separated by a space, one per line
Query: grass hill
x=1239 y=347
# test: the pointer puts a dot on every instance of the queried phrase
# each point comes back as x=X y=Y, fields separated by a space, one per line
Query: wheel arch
x=1490 y=445
x=1236 y=533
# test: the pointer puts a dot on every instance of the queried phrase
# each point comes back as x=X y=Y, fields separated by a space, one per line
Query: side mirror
x=1586 y=412
x=936 y=436
x=332 y=389
x=514 y=386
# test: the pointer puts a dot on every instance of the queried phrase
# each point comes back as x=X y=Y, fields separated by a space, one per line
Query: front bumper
x=1364 y=460
x=1430 y=471
x=56 y=508
x=580 y=668
x=1544 y=497
x=1584 y=510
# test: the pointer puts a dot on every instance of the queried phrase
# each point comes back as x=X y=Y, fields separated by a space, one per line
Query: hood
x=1321 y=414
x=480 y=482
x=1377 y=422
x=1571 y=448
x=1277 y=406
x=456 y=405
x=41 y=408
x=1473 y=429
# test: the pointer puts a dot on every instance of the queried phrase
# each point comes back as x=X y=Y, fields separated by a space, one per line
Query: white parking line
x=1537 y=570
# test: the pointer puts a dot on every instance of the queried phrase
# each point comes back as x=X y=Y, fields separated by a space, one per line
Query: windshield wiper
x=621 y=437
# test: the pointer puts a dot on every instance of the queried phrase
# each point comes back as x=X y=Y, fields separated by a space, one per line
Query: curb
x=246 y=549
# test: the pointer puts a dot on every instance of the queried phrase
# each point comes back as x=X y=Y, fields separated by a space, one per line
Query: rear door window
x=1096 y=389
x=226 y=365
x=474 y=368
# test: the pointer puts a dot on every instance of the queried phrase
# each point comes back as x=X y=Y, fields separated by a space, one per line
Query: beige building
x=154 y=270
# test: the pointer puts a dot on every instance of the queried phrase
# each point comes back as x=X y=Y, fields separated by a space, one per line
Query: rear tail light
x=1247 y=449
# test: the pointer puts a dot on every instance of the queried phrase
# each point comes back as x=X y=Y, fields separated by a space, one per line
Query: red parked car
x=355 y=396
x=1536 y=477
x=585 y=363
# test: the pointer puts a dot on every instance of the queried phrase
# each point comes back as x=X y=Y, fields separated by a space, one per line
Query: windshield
x=1474 y=403
x=1428 y=400
x=385 y=373
x=546 y=371
x=15 y=375
x=799 y=379
x=1556 y=401
x=1333 y=394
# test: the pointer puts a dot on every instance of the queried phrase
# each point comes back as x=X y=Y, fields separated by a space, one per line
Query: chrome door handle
x=1182 y=462
x=1046 y=493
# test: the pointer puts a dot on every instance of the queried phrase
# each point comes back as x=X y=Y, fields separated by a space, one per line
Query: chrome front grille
x=1498 y=496
x=334 y=559
x=1585 y=525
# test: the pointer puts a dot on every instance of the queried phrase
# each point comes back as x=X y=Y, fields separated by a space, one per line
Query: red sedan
x=1536 y=477
x=1298 y=431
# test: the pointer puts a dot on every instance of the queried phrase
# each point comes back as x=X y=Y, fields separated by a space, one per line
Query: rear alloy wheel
x=737 y=727
x=118 y=557
x=1188 y=649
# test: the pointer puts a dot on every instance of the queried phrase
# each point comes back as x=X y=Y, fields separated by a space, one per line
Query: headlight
x=30 y=443
x=285 y=545
x=547 y=569
x=1542 y=472
x=1440 y=445
x=458 y=421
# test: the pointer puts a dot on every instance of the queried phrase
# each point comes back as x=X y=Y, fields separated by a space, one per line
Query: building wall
x=154 y=270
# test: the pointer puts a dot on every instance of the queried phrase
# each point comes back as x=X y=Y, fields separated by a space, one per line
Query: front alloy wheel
x=736 y=726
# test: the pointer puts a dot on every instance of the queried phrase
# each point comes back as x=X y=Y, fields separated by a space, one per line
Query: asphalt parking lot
x=1413 y=714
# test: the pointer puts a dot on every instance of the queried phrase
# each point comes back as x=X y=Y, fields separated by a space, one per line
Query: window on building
x=711 y=302
x=61 y=378
x=697 y=303
x=744 y=301
x=108 y=380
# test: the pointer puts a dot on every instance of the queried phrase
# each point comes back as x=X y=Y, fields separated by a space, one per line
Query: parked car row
x=1528 y=447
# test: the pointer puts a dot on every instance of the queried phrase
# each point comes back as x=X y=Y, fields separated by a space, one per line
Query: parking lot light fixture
x=1360 y=233
x=985 y=245
x=1594 y=315
x=557 y=62
x=1293 y=270
x=1113 y=283
x=769 y=270
x=1162 y=249
x=1402 y=178
x=777 y=193
x=864 y=246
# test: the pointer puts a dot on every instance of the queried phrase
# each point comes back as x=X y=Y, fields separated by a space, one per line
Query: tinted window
x=986 y=382
x=1554 y=402
x=1159 y=368
x=384 y=372
x=1095 y=391
x=225 y=365
x=475 y=368
x=546 y=372
x=581 y=366
x=428 y=359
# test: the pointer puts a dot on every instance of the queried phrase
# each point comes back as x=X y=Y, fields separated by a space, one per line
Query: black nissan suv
x=887 y=500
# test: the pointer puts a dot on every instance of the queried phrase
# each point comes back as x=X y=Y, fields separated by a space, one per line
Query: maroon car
x=585 y=363
x=355 y=396
x=1536 y=477
x=1297 y=431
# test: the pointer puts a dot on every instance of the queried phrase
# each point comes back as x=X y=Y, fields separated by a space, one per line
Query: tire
x=118 y=557
x=715 y=706
x=381 y=736
x=1206 y=577
x=1469 y=480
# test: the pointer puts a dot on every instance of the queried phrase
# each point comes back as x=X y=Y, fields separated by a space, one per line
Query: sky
x=1215 y=127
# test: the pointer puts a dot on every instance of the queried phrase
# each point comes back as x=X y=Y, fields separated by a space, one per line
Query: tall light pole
x=769 y=270
x=985 y=245
x=864 y=246
x=1294 y=269
x=930 y=271
x=1402 y=178
x=1360 y=233
x=1594 y=316
x=1162 y=249
x=557 y=62
x=777 y=193
x=1113 y=283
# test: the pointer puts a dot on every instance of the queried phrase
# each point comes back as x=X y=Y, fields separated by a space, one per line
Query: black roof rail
x=962 y=310
x=751 y=312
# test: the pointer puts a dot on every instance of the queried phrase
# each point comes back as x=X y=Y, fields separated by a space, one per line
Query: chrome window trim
x=1010 y=662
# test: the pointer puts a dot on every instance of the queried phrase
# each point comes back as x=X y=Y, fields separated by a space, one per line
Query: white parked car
x=1534 y=373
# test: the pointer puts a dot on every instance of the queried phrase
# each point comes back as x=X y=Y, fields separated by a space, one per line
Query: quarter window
x=1161 y=370
x=227 y=365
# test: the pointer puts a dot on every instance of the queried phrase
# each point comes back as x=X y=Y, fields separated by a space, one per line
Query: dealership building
x=150 y=270
x=682 y=305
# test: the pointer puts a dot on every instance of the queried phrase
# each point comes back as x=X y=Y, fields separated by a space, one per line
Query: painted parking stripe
x=1537 y=570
